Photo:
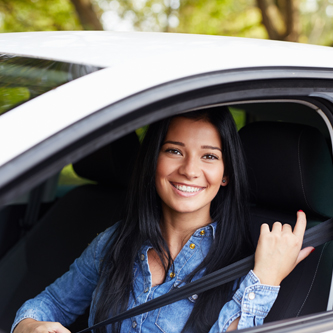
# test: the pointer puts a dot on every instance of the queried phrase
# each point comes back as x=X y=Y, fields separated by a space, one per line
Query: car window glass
x=22 y=78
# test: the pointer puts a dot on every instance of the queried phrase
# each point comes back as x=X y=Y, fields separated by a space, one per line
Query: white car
x=74 y=98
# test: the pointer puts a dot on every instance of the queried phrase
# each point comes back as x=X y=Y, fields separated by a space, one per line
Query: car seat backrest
x=65 y=230
x=112 y=164
x=290 y=168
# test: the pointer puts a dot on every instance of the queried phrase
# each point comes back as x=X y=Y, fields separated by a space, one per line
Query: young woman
x=186 y=217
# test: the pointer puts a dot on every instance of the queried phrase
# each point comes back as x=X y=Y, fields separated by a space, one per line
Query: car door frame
x=310 y=86
x=73 y=142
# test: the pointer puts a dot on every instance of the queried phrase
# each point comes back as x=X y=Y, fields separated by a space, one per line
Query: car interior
x=288 y=152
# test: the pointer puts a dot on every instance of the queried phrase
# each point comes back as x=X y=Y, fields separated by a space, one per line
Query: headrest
x=111 y=164
x=289 y=166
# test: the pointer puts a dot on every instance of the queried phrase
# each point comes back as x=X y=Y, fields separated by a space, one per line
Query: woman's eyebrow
x=175 y=143
x=183 y=145
x=211 y=147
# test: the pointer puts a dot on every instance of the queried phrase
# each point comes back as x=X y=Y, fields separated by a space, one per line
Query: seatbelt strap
x=314 y=236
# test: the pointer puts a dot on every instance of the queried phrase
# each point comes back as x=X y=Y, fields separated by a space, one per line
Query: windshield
x=22 y=78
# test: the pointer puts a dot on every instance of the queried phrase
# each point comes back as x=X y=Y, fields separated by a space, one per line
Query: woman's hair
x=142 y=218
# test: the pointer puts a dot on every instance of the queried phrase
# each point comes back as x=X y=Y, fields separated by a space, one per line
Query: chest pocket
x=173 y=317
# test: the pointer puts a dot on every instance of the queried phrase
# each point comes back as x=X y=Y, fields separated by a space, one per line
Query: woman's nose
x=189 y=168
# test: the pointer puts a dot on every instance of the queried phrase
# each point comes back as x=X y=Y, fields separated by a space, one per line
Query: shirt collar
x=208 y=230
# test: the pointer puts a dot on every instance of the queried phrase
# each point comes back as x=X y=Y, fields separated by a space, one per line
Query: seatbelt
x=314 y=236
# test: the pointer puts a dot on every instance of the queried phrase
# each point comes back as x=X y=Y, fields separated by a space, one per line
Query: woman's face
x=190 y=167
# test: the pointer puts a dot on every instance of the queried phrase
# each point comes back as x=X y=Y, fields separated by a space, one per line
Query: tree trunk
x=87 y=15
x=280 y=18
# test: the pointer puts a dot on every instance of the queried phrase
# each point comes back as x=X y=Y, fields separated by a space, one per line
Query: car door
x=71 y=142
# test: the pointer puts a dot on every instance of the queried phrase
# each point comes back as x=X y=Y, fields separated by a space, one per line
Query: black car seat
x=290 y=168
x=65 y=230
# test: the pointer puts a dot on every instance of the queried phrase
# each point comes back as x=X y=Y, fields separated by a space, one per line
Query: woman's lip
x=186 y=194
x=184 y=184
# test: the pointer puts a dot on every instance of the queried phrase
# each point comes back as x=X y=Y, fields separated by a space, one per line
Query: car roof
x=107 y=49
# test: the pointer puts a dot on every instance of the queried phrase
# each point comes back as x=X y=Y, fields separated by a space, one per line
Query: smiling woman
x=190 y=169
x=185 y=217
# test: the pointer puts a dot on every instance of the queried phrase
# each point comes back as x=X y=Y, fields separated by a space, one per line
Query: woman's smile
x=190 y=167
x=186 y=190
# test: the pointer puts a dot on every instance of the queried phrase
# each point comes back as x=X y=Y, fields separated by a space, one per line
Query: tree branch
x=291 y=21
x=87 y=15
x=266 y=20
x=286 y=9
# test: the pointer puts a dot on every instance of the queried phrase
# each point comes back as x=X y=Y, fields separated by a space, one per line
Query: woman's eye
x=210 y=157
x=173 y=151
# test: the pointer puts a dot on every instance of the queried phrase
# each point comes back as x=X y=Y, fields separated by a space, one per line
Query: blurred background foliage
x=306 y=21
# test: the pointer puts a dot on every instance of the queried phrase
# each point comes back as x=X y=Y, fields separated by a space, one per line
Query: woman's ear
x=224 y=181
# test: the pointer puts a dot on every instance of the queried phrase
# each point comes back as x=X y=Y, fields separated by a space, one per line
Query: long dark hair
x=142 y=218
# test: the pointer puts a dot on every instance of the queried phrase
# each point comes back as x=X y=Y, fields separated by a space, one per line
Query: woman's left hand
x=279 y=251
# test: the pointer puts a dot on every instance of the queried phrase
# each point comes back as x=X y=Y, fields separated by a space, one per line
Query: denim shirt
x=72 y=293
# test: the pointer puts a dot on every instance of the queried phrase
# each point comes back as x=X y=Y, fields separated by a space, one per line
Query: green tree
x=281 y=19
x=317 y=22
x=39 y=15
x=221 y=17
x=142 y=15
x=308 y=21
x=87 y=13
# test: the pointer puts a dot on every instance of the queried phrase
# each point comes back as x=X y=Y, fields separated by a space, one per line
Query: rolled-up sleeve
x=251 y=302
x=68 y=297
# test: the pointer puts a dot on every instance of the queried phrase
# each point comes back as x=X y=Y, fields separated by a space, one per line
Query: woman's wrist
x=267 y=279
x=22 y=324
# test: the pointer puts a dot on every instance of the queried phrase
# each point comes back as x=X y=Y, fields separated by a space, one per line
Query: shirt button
x=172 y=275
x=195 y=296
x=142 y=257
x=202 y=232
x=134 y=324
x=146 y=290
x=252 y=296
x=192 y=246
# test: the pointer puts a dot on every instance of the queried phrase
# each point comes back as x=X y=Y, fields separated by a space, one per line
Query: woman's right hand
x=29 y=325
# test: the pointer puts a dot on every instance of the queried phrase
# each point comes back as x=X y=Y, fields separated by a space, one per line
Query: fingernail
x=300 y=210
x=312 y=250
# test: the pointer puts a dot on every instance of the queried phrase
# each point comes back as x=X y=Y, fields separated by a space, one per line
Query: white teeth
x=184 y=188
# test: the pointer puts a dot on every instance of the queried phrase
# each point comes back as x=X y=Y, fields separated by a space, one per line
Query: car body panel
x=105 y=49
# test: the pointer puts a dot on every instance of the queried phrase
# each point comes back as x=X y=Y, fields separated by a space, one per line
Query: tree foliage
x=143 y=15
x=308 y=21
x=221 y=17
x=37 y=15
x=317 y=22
